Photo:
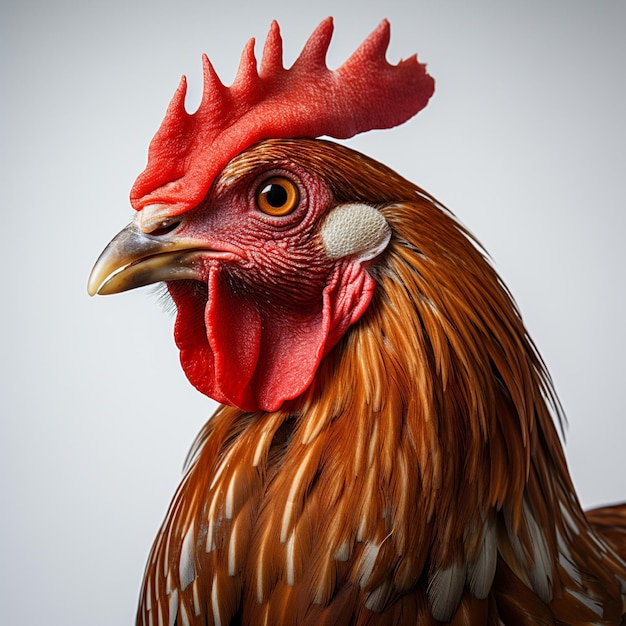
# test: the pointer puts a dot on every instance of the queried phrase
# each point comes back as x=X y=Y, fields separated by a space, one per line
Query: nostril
x=155 y=219
x=165 y=227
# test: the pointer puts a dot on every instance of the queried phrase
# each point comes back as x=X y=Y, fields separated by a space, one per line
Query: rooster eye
x=277 y=196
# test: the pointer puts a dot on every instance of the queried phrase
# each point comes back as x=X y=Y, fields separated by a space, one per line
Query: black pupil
x=276 y=195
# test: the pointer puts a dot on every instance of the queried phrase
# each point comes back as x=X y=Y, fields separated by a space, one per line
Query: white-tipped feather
x=291 y=496
x=232 y=549
x=215 y=605
x=210 y=535
x=368 y=560
x=261 y=446
x=445 y=588
x=343 y=551
x=566 y=560
x=260 y=567
x=184 y=615
x=592 y=605
x=483 y=569
x=225 y=462
x=230 y=496
x=173 y=607
x=541 y=572
x=289 y=557
x=377 y=599
x=567 y=517
x=600 y=543
x=196 y=598
x=186 y=568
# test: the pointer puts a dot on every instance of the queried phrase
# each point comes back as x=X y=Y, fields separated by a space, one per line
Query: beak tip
x=93 y=286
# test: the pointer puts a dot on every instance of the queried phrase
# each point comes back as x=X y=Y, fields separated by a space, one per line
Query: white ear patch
x=355 y=229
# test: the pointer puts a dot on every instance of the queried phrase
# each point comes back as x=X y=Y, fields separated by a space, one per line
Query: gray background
x=524 y=141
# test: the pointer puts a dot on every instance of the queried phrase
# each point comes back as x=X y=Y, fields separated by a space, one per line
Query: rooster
x=385 y=451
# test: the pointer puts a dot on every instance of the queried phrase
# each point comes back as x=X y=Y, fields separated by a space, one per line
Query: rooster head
x=264 y=245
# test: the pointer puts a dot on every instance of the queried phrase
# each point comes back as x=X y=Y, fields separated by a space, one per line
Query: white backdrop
x=524 y=140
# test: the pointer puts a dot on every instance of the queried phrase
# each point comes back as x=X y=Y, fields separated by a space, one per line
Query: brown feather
x=419 y=478
x=610 y=523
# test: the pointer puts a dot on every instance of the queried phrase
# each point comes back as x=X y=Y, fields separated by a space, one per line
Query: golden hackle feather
x=419 y=478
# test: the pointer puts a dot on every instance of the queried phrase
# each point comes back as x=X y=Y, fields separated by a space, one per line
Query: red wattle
x=257 y=358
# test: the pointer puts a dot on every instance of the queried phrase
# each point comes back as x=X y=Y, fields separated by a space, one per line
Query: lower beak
x=135 y=259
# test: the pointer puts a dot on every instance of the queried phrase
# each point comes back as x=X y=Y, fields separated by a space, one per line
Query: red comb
x=307 y=100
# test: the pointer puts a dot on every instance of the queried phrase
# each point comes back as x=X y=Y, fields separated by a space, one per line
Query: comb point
x=314 y=51
x=247 y=75
x=213 y=90
x=177 y=104
x=272 y=57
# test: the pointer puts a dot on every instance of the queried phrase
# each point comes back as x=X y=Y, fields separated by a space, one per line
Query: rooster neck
x=276 y=519
x=420 y=473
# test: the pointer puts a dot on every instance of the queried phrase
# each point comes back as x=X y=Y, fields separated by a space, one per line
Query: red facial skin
x=255 y=326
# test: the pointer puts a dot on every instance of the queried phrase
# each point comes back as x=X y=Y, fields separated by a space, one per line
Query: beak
x=135 y=259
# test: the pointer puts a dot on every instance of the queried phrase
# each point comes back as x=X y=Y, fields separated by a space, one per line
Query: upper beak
x=134 y=259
